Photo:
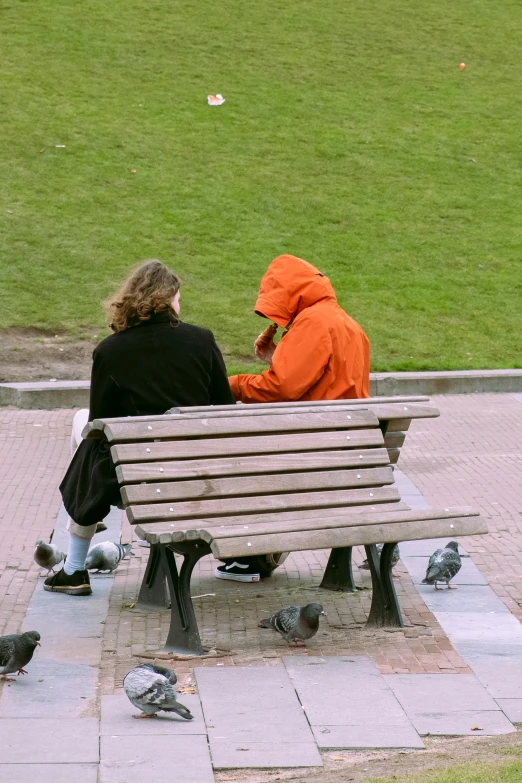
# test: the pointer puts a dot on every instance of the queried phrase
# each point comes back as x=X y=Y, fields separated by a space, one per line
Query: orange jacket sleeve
x=298 y=362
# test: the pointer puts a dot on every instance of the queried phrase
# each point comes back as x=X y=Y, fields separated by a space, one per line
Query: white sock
x=77 y=554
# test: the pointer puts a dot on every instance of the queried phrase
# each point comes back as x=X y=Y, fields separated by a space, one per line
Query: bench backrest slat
x=241 y=466
x=244 y=486
x=152 y=451
x=181 y=427
x=198 y=509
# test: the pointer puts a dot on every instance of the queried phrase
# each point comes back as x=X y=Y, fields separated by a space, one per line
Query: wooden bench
x=198 y=482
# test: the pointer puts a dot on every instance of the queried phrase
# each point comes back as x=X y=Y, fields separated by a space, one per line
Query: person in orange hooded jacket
x=323 y=355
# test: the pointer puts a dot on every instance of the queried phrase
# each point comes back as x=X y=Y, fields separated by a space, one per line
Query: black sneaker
x=74 y=584
x=238 y=572
x=101 y=527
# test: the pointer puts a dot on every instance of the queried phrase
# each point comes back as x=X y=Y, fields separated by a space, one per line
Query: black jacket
x=144 y=370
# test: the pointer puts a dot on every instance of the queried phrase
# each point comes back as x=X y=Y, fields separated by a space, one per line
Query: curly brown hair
x=148 y=290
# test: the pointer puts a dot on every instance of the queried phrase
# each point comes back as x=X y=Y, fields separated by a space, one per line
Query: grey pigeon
x=47 y=556
x=106 y=555
x=16 y=650
x=150 y=689
x=443 y=565
x=395 y=557
x=295 y=623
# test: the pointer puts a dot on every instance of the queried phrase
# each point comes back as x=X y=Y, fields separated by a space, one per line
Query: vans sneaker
x=73 y=584
x=238 y=572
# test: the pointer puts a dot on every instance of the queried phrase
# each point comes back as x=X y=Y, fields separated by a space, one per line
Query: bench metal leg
x=338 y=574
x=153 y=591
x=385 y=609
x=183 y=632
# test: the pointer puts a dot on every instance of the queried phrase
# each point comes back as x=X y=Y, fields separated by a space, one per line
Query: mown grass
x=349 y=137
x=510 y=772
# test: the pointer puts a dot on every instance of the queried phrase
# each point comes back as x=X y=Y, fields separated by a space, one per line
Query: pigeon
x=47 y=556
x=443 y=565
x=106 y=556
x=295 y=623
x=150 y=689
x=16 y=650
x=395 y=557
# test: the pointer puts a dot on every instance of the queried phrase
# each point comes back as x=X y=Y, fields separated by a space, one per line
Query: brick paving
x=34 y=451
x=470 y=456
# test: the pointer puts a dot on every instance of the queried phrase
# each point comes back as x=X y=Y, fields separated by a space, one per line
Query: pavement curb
x=49 y=395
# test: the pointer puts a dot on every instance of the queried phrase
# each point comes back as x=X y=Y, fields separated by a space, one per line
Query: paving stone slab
x=49 y=773
x=366 y=736
x=417 y=565
x=427 y=546
x=501 y=676
x=50 y=697
x=466 y=723
x=243 y=755
x=439 y=693
x=476 y=627
x=117 y=712
x=466 y=598
x=340 y=697
x=254 y=706
x=153 y=758
x=512 y=708
x=49 y=740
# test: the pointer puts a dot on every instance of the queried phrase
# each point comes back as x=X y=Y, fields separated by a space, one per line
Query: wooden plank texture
x=305 y=404
x=394 y=440
x=199 y=509
x=130 y=430
x=305 y=516
x=243 y=466
x=349 y=536
x=259 y=444
x=204 y=489
x=316 y=519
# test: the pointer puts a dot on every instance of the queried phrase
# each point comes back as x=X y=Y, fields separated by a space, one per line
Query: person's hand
x=263 y=350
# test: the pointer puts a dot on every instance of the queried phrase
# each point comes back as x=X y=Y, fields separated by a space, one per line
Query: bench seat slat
x=260 y=444
x=242 y=466
x=303 y=515
x=249 y=505
x=208 y=426
x=260 y=485
x=306 y=519
x=347 y=536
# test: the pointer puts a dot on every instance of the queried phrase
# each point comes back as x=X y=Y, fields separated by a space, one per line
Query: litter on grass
x=215 y=100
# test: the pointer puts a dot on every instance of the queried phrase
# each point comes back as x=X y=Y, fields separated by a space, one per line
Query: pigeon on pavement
x=47 y=556
x=295 y=623
x=443 y=565
x=395 y=557
x=106 y=555
x=16 y=650
x=150 y=689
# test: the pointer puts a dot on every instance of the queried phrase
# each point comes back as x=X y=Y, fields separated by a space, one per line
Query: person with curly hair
x=151 y=363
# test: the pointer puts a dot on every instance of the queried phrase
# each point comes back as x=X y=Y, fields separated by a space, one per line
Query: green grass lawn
x=510 y=772
x=349 y=137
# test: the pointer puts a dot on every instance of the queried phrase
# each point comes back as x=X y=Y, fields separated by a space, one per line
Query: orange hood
x=289 y=285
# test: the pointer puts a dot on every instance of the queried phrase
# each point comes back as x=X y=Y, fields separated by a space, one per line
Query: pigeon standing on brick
x=106 y=556
x=443 y=565
x=47 y=556
x=295 y=623
x=395 y=557
x=16 y=650
x=150 y=688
